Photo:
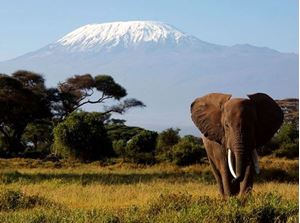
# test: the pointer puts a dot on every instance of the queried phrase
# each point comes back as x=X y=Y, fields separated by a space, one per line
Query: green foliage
x=288 y=150
x=288 y=133
x=82 y=136
x=181 y=151
x=122 y=132
x=187 y=151
x=166 y=140
x=108 y=86
x=79 y=89
x=30 y=80
x=23 y=99
x=285 y=143
x=119 y=147
x=140 y=148
x=123 y=106
x=38 y=137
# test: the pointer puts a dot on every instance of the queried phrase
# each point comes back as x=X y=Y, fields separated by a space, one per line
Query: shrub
x=288 y=150
x=140 y=148
x=12 y=200
x=119 y=147
x=288 y=141
x=288 y=133
x=38 y=138
x=285 y=143
x=121 y=132
x=165 y=141
x=82 y=136
x=187 y=151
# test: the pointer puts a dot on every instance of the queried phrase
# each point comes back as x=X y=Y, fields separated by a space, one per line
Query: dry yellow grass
x=97 y=196
x=90 y=186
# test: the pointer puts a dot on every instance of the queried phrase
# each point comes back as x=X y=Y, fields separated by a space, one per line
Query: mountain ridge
x=168 y=75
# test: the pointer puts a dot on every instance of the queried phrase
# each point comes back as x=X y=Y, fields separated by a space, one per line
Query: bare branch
x=100 y=100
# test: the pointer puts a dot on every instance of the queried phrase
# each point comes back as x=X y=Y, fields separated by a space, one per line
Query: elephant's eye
x=226 y=125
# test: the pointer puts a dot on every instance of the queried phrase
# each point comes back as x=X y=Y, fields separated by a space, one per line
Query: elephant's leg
x=217 y=176
x=226 y=183
x=223 y=173
x=212 y=149
x=247 y=183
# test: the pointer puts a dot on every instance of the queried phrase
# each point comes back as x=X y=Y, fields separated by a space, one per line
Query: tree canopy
x=25 y=102
x=82 y=136
x=80 y=90
x=23 y=99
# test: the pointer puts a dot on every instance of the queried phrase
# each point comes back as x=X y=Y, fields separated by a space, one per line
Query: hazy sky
x=28 y=25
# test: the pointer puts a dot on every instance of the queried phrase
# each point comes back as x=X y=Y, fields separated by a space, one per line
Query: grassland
x=37 y=191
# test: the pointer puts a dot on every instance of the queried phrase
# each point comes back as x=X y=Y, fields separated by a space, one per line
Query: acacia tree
x=23 y=99
x=80 y=90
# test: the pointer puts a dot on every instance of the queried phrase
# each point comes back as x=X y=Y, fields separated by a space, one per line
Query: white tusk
x=255 y=161
x=230 y=164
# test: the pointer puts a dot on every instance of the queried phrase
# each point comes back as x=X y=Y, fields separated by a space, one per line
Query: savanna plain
x=63 y=191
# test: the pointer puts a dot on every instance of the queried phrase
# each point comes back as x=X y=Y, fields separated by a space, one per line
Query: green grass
x=36 y=191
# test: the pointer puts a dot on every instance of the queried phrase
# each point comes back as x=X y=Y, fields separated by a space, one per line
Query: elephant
x=233 y=128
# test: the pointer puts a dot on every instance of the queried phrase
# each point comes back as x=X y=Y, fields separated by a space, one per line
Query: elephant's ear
x=269 y=117
x=206 y=114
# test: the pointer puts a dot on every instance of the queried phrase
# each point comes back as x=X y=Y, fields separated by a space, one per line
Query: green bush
x=82 y=136
x=288 y=141
x=121 y=132
x=140 y=149
x=38 y=138
x=288 y=133
x=187 y=151
x=119 y=147
x=284 y=144
x=165 y=141
x=288 y=150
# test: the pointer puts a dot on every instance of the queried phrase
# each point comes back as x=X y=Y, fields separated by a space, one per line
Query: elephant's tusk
x=230 y=164
x=255 y=161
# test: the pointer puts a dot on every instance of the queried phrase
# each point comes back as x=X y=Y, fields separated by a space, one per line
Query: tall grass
x=36 y=191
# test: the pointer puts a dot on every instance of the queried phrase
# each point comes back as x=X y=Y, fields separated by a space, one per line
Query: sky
x=29 y=25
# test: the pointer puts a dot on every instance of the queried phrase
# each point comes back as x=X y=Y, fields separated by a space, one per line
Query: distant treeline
x=48 y=123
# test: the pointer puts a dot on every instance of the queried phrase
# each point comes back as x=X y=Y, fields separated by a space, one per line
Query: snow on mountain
x=162 y=66
x=134 y=35
x=108 y=35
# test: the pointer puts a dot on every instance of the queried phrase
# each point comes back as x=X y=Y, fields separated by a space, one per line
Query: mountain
x=162 y=66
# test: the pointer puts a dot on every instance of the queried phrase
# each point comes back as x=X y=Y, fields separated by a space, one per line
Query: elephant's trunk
x=238 y=173
x=239 y=166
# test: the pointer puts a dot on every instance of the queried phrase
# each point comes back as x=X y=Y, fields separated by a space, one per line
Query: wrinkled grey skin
x=240 y=125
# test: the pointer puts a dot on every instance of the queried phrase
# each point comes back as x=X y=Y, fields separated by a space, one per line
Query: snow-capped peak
x=131 y=33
